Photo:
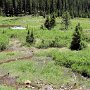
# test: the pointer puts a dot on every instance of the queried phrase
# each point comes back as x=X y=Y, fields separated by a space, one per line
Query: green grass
x=6 y=88
x=32 y=70
x=45 y=38
x=10 y=55
x=4 y=41
x=78 y=61
x=29 y=21
x=10 y=88
x=85 y=23
x=48 y=73
x=34 y=23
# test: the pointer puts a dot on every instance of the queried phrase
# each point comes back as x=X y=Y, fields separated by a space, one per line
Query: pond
x=13 y=27
x=18 y=27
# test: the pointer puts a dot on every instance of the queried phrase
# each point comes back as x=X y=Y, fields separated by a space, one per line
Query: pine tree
x=77 y=40
x=47 y=23
x=77 y=8
x=52 y=7
x=52 y=21
x=66 y=19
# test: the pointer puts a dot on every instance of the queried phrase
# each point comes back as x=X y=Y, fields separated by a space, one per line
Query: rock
x=27 y=82
x=47 y=87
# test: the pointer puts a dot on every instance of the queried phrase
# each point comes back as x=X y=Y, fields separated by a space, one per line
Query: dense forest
x=76 y=8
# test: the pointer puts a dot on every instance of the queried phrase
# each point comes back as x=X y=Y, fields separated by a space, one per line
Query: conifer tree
x=52 y=21
x=76 y=8
x=66 y=19
x=47 y=23
x=77 y=40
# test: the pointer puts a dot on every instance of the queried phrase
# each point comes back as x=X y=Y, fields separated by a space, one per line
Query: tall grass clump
x=4 y=41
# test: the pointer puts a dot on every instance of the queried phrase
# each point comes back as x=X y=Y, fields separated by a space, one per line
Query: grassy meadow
x=64 y=62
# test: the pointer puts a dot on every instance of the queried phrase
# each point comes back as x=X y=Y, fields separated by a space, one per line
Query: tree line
x=76 y=8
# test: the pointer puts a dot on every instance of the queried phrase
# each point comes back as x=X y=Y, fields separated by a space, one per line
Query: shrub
x=50 y=22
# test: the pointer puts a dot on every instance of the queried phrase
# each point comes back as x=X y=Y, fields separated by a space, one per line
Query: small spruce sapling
x=78 y=39
x=52 y=21
x=66 y=19
x=47 y=23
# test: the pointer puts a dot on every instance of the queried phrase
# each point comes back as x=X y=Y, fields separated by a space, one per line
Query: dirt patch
x=8 y=80
x=15 y=59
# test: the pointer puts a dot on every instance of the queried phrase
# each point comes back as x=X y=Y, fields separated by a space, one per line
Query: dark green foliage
x=66 y=19
x=30 y=37
x=77 y=40
x=47 y=23
x=2 y=46
x=3 y=32
x=50 y=22
x=77 y=8
x=28 y=32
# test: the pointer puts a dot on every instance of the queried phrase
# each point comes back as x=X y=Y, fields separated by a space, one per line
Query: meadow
x=52 y=43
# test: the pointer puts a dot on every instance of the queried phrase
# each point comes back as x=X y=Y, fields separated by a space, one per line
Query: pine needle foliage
x=78 y=39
